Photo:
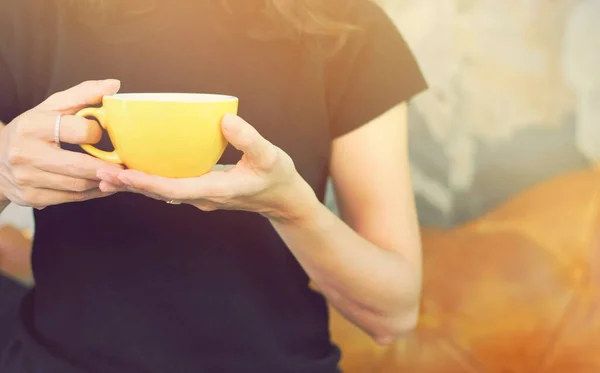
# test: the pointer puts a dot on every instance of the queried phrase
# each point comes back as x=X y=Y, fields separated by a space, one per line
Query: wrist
x=300 y=205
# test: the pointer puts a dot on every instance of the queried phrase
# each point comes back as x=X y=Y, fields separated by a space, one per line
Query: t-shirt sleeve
x=373 y=72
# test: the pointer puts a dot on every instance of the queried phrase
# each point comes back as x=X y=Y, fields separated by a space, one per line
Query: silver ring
x=173 y=202
x=57 y=130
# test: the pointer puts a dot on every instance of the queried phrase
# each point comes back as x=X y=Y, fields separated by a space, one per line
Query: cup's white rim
x=172 y=97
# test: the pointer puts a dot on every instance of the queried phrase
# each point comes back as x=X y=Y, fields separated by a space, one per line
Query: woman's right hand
x=34 y=170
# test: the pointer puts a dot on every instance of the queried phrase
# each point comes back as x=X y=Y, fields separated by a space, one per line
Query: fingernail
x=107 y=188
x=124 y=180
x=112 y=82
x=228 y=121
x=103 y=176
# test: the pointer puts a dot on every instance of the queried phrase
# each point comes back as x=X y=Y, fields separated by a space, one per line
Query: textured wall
x=514 y=98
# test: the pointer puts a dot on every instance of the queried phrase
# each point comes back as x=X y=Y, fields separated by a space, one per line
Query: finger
x=111 y=188
x=40 y=198
x=223 y=167
x=58 y=197
x=77 y=130
x=177 y=189
x=73 y=130
x=244 y=137
x=110 y=175
x=67 y=163
x=82 y=95
x=40 y=179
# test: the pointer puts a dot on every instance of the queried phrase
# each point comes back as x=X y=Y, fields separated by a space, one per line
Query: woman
x=220 y=282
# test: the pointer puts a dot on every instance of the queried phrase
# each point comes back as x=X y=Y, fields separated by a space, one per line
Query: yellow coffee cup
x=174 y=135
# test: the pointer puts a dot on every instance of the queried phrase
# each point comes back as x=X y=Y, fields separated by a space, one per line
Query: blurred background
x=504 y=147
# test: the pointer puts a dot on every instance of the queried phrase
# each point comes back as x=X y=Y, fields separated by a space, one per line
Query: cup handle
x=99 y=115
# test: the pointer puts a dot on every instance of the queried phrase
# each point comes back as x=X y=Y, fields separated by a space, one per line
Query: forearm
x=377 y=289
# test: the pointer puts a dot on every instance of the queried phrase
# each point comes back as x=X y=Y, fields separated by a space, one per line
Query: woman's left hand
x=265 y=180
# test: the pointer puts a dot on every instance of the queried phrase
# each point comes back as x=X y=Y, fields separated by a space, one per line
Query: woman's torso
x=129 y=284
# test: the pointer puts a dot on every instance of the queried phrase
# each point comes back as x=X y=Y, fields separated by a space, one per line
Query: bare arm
x=370 y=268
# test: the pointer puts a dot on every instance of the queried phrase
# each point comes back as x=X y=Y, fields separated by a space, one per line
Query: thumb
x=245 y=138
x=82 y=95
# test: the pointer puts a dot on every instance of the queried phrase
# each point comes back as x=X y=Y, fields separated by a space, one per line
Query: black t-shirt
x=11 y=294
x=128 y=284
